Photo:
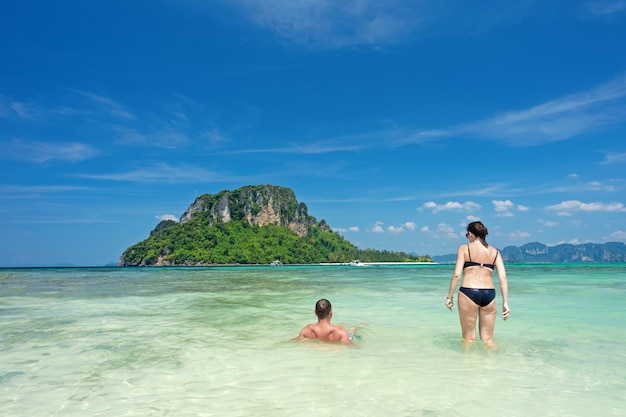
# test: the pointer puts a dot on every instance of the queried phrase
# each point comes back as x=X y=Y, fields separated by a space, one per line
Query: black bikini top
x=472 y=263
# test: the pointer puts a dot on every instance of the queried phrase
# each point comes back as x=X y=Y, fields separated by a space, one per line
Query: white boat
x=276 y=263
x=356 y=262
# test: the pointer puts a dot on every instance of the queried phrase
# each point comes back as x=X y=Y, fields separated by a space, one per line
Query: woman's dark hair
x=479 y=230
x=322 y=308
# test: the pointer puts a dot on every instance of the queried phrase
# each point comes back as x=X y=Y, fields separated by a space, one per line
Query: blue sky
x=397 y=122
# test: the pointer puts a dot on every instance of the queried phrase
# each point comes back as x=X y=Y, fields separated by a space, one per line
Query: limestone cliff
x=258 y=205
x=250 y=225
x=536 y=252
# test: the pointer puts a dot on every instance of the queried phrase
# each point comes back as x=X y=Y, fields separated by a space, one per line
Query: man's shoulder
x=340 y=333
x=307 y=331
x=340 y=328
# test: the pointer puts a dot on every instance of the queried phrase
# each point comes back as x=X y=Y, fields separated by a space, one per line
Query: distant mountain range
x=536 y=252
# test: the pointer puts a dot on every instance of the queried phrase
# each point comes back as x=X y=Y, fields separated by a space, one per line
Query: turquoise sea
x=217 y=342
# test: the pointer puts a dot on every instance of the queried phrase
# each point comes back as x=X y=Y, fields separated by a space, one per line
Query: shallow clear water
x=216 y=342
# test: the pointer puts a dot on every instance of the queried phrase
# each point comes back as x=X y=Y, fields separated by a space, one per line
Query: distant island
x=250 y=225
x=536 y=252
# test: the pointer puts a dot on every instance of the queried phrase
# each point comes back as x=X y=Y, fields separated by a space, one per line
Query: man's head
x=323 y=309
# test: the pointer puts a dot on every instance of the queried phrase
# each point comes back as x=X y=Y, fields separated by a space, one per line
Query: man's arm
x=344 y=336
x=305 y=333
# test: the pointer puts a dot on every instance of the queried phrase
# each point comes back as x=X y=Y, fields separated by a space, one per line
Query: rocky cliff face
x=259 y=205
x=587 y=252
x=536 y=252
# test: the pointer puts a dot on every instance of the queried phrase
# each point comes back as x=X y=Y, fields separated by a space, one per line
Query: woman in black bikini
x=477 y=295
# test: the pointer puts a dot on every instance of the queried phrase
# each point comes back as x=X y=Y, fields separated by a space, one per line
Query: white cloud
x=107 y=105
x=395 y=230
x=503 y=208
x=344 y=230
x=618 y=235
x=559 y=119
x=341 y=144
x=598 y=186
x=548 y=223
x=35 y=189
x=519 y=235
x=503 y=205
x=331 y=24
x=164 y=138
x=410 y=226
x=167 y=174
x=567 y=208
x=450 y=206
x=214 y=136
x=447 y=230
x=425 y=229
x=378 y=227
x=41 y=152
x=614 y=158
x=556 y=120
x=10 y=107
x=167 y=217
x=39 y=109
x=23 y=110
x=603 y=8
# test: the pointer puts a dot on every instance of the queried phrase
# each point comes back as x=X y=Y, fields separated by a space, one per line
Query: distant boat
x=356 y=262
x=276 y=263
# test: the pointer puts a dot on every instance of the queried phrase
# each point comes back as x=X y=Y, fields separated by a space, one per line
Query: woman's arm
x=456 y=276
x=504 y=287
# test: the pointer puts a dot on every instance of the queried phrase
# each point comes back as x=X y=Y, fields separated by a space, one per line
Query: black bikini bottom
x=480 y=296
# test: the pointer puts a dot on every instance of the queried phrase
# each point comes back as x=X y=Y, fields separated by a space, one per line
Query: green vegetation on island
x=250 y=225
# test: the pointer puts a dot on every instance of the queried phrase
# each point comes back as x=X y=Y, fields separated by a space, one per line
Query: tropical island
x=249 y=226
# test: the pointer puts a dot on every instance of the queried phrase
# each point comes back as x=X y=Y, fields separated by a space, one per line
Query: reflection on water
x=217 y=341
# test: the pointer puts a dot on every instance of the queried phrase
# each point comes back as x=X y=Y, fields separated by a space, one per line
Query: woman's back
x=479 y=265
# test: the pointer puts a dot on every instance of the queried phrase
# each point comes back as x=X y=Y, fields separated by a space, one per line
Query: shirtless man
x=323 y=330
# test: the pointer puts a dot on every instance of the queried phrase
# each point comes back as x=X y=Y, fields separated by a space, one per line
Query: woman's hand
x=449 y=303
x=506 y=311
